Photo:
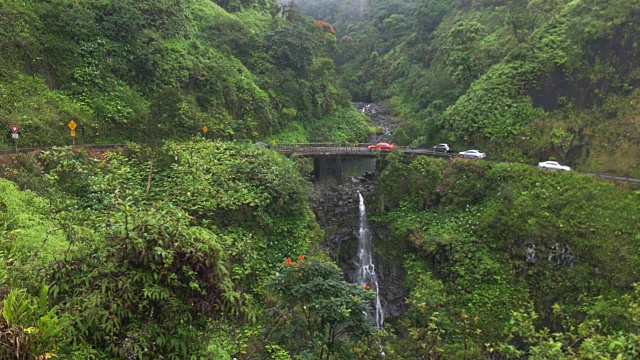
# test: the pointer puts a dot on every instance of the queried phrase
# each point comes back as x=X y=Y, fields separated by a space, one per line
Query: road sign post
x=15 y=135
x=72 y=126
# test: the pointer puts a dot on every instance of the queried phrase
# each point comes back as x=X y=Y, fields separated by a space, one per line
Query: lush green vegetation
x=514 y=261
x=91 y=267
x=503 y=259
x=237 y=67
x=523 y=80
x=193 y=245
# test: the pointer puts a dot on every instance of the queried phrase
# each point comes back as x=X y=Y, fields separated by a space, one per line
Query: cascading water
x=366 y=270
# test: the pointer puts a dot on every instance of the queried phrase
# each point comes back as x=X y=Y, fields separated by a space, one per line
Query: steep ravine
x=336 y=209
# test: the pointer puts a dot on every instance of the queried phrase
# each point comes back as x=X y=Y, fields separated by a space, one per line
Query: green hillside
x=523 y=80
x=239 y=68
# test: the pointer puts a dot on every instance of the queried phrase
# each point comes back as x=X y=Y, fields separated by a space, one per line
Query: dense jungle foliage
x=201 y=268
x=523 y=80
x=223 y=259
x=237 y=67
x=508 y=261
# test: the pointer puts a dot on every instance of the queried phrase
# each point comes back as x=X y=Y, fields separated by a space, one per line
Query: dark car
x=442 y=148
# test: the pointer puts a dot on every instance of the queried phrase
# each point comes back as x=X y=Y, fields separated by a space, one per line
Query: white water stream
x=366 y=271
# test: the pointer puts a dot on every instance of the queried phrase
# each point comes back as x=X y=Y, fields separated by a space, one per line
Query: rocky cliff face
x=336 y=209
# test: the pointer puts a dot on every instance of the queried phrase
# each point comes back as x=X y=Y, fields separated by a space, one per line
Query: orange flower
x=301 y=257
x=297 y=264
x=324 y=26
x=288 y=262
x=366 y=287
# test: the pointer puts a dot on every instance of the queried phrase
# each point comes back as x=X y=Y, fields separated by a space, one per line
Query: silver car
x=473 y=154
x=442 y=148
x=553 y=165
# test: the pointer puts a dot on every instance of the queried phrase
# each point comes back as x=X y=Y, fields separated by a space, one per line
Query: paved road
x=89 y=146
x=612 y=177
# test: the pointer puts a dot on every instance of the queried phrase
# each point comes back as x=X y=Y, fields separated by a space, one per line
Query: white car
x=473 y=154
x=553 y=165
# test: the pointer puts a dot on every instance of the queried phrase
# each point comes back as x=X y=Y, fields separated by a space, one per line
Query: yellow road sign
x=205 y=129
x=72 y=126
x=73 y=133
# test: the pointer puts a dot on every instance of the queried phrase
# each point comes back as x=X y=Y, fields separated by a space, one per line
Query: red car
x=382 y=146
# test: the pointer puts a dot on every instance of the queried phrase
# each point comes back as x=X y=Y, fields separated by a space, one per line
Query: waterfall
x=366 y=271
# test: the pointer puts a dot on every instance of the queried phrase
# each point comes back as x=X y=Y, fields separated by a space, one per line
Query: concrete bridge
x=328 y=157
x=358 y=149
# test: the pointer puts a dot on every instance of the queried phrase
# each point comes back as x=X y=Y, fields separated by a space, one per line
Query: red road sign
x=14 y=129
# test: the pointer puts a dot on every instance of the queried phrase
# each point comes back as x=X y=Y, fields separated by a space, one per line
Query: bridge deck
x=321 y=149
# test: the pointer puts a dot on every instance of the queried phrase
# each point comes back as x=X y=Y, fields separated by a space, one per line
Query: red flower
x=297 y=264
x=301 y=257
x=366 y=287
x=288 y=261
x=300 y=274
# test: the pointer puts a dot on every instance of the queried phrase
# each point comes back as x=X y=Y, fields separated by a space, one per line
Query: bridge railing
x=318 y=145
x=328 y=145
x=326 y=150
x=329 y=149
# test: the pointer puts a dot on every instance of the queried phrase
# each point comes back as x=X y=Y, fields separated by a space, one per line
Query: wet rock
x=380 y=116
x=530 y=252
x=337 y=213
x=562 y=255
